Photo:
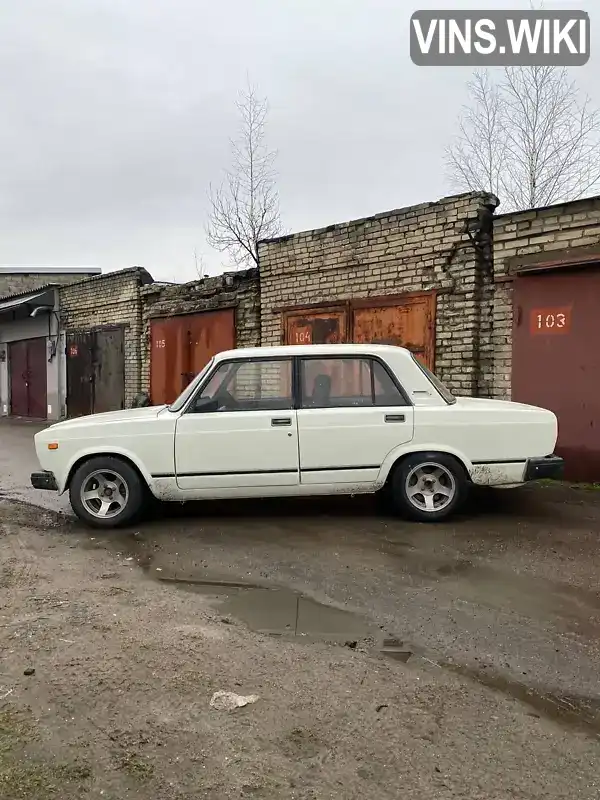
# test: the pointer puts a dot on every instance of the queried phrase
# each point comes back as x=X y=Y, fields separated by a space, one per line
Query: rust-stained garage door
x=322 y=326
x=181 y=346
x=556 y=360
x=408 y=321
x=95 y=371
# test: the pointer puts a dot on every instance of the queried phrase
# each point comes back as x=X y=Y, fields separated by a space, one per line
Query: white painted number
x=551 y=320
x=303 y=337
x=160 y=343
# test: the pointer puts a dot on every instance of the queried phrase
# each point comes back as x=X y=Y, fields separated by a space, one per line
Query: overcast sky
x=116 y=116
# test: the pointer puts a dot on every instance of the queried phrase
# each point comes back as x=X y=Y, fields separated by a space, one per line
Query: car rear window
x=438 y=385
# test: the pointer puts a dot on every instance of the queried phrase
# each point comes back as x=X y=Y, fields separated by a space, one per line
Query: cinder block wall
x=18 y=282
x=444 y=246
x=526 y=238
x=110 y=299
x=239 y=290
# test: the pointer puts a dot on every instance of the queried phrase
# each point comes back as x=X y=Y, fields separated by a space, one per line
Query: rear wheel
x=106 y=492
x=428 y=487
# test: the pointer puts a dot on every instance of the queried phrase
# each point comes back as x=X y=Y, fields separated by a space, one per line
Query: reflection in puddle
x=281 y=612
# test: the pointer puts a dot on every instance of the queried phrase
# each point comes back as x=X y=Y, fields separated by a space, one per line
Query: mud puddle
x=582 y=713
x=287 y=614
x=280 y=611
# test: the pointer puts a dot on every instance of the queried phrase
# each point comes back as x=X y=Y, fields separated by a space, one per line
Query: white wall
x=30 y=328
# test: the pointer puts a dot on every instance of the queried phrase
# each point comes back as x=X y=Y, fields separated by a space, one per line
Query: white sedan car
x=298 y=421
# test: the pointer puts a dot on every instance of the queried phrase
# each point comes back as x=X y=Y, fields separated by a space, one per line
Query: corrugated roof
x=43 y=288
x=15 y=302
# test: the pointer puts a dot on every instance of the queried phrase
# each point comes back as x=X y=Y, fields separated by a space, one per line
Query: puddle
x=281 y=612
x=582 y=713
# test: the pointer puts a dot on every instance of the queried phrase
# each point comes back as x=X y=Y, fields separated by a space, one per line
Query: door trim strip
x=264 y=471
x=220 y=474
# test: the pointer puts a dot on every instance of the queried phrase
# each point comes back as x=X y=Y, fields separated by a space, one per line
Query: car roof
x=315 y=349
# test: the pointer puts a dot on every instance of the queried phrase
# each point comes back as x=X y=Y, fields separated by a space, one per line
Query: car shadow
x=531 y=502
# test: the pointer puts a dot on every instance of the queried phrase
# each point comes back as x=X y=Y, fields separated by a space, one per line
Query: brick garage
x=102 y=303
x=185 y=324
x=545 y=322
x=440 y=251
x=523 y=240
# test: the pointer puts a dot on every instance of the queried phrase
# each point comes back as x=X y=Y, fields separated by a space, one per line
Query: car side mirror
x=205 y=405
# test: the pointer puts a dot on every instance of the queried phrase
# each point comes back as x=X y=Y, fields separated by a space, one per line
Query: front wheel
x=106 y=492
x=428 y=487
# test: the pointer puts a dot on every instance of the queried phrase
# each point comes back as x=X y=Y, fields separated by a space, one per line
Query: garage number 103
x=551 y=320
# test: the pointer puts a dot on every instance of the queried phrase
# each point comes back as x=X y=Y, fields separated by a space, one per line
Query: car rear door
x=351 y=414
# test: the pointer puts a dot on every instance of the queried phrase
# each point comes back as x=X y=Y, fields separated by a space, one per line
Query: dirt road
x=458 y=661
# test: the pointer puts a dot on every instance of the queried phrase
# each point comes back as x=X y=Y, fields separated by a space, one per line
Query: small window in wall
x=347 y=382
x=250 y=386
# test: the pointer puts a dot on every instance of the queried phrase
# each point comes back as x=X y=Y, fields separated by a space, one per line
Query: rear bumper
x=548 y=467
x=44 y=480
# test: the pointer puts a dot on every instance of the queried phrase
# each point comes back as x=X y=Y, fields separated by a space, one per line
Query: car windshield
x=190 y=389
x=439 y=386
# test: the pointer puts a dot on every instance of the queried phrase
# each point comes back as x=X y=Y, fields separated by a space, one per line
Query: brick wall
x=111 y=299
x=239 y=290
x=19 y=282
x=527 y=238
x=443 y=246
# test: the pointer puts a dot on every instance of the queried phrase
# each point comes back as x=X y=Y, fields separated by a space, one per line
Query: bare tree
x=245 y=208
x=529 y=138
x=199 y=265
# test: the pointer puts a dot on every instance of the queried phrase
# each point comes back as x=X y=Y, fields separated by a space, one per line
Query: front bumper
x=44 y=480
x=548 y=467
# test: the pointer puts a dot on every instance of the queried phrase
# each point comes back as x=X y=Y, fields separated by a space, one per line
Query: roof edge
x=46 y=287
x=482 y=196
x=20 y=270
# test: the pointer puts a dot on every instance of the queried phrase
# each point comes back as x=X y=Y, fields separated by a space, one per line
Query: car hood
x=126 y=415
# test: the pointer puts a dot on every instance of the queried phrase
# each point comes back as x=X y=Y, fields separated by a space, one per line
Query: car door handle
x=394 y=418
x=280 y=422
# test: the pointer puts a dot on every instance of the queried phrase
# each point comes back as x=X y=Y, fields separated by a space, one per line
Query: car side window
x=347 y=382
x=261 y=385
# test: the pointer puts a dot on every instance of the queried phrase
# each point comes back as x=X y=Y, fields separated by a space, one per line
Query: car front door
x=351 y=415
x=241 y=429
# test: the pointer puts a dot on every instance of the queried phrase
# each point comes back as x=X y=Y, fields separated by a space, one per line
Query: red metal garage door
x=556 y=360
x=406 y=322
x=181 y=346
x=403 y=320
x=28 y=378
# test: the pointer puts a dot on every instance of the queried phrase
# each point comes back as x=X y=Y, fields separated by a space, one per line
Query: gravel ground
x=499 y=611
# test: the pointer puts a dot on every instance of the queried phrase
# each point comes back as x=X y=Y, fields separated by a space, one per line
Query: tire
x=428 y=472
x=119 y=503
